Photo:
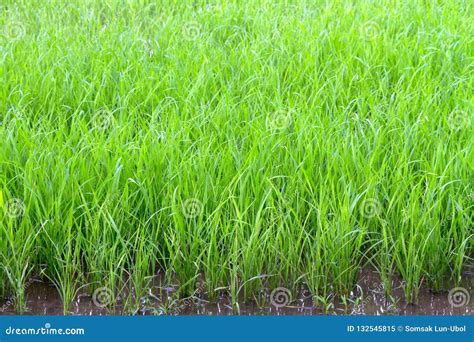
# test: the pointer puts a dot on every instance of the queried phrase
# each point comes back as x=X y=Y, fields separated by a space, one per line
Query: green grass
x=255 y=144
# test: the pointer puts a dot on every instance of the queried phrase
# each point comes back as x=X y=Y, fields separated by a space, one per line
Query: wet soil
x=368 y=298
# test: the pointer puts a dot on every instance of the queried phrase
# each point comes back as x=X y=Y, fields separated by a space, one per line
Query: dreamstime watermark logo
x=102 y=120
x=458 y=120
x=191 y=30
x=160 y=135
x=88 y=14
x=370 y=30
x=102 y=297
x=290 y=197
x=147 y=47
x=278 y=120
x=18 y=118
x=191 y=300
x=46 y=330
x=405 y=215
x=459 y=297
x=370 y=208
x=370 y=299
x=10 y=300
x=14 y=30
x=211 y=8
x=14 y=208
x=192 y=208
x=280 y=297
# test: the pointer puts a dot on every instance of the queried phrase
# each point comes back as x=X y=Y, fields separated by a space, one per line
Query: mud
x=368 y=298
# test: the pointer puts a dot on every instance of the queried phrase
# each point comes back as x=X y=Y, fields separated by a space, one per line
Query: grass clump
x=251 y=144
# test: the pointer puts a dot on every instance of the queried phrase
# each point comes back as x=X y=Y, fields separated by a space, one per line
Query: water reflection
x=368 y=298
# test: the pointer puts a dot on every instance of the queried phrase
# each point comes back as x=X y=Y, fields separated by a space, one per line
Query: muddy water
x=43 y=299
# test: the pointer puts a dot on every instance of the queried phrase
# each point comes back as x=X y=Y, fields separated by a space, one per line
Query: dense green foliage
x=253 y=143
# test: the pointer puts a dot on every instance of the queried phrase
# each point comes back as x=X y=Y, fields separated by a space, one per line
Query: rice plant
x=251 y=144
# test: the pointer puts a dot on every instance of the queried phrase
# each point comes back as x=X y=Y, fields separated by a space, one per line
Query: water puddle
x=43 y=299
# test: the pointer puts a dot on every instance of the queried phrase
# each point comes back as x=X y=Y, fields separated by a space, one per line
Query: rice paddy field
x=245 y=149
